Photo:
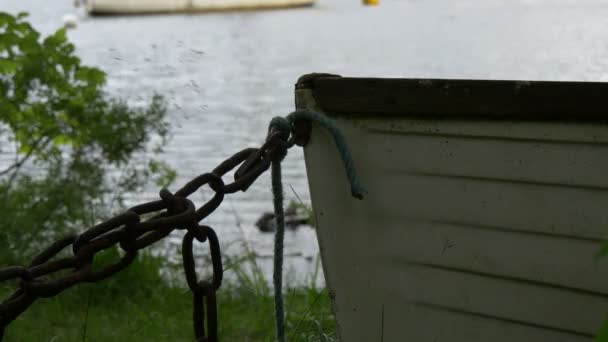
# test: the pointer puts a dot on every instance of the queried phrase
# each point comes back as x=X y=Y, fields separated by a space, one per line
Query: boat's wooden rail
x=483 y=99
x=487 y=203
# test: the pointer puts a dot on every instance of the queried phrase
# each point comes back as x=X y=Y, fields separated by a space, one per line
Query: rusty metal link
x=204 y=297
x=131 y=231
x=203 y=291
x=188 y=257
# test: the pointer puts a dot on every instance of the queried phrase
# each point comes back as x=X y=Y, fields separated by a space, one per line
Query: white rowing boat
x=487 y=202
x=109 y=7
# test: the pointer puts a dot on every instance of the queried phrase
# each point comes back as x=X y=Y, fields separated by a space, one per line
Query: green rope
x=277 y=277
x=285 y=126
x=356 y=188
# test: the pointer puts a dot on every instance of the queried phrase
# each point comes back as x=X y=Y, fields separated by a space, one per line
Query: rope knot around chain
x=279 y=134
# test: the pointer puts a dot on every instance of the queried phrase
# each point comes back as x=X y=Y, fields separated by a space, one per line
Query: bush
x=75 y=147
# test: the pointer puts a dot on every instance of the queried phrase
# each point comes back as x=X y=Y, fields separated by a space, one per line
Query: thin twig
x=19 y=162
x=296 y=194
x=313 y=219
x=18 y=165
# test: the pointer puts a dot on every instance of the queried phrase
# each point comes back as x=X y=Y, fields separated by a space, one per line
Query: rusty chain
x=129 y=232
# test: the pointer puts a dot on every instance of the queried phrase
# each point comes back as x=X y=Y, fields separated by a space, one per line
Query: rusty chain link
x=129 y=232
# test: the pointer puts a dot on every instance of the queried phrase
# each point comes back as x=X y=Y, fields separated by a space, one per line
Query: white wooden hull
x=186 y=6
x=475 y=228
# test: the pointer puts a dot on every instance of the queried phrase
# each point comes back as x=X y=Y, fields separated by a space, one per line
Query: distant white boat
x=109 y=7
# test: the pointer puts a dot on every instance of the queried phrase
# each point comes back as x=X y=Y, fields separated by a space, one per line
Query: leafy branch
x=72 y=134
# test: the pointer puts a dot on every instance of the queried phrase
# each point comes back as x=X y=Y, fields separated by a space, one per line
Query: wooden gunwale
x=496 y=99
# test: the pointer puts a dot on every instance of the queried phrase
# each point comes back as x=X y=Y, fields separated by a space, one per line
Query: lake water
x=226 y=75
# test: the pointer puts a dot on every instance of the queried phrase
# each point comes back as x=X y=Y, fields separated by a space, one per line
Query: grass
x=138 y=304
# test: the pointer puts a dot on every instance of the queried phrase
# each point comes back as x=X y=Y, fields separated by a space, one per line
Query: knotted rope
x=285 y=128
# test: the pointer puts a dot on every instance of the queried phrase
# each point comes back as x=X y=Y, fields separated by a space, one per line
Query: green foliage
x=301 y=209
x=165 y=175
x=603 y=252
x=603 y=334
x=75 y=147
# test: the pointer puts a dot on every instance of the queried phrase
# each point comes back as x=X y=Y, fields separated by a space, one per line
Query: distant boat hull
x=486 y=204
x=121 y=7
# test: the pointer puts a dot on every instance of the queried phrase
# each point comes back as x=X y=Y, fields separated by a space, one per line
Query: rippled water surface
x=225 y=75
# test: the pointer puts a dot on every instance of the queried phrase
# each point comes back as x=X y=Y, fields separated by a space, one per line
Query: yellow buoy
x=371 y=2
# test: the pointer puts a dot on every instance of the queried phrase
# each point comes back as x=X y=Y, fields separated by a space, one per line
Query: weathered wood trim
x=495 y=99
x=502 y=319
x=503 y=180
x=556 y=210
x=462 y=325
x=488 y=137
x=481 y=227
x=506 y=278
